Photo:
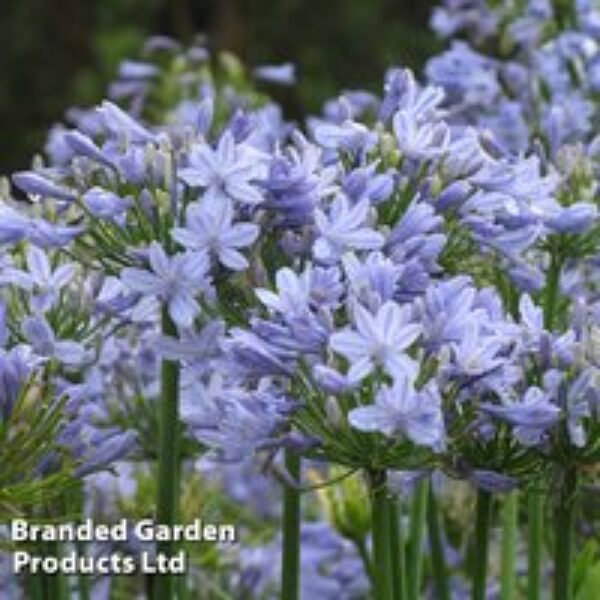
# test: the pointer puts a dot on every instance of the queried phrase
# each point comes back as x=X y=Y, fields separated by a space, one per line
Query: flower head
x=378 y=340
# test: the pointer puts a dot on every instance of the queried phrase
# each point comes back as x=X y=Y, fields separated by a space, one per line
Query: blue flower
x=344 y=228
x=14 y=371
x=209 y=227
x=175 y=281
x=400 y=409
x=227 y=172
x=469 y=78
x=491 y=481
x=37 y=185
x=293 y=292
x=103 y=449
x=373 y=281
x=252 y=355
x=445 y=310
x=349 y=135
x=234 y=422
x=84 y=146
x=420 y=141
x=43 y=341
x=284 y=74
x=530 y=417
x=119 y=123
x=476 y=354
x=51 y=235
x=107 y=205
x=378 y=340
x=13 y=225
x=39 y=280
x=404 y=95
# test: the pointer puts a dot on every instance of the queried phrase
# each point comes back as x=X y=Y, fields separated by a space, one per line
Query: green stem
x=34 y=584
x=380 y=523
x=290 y=558
x=397 y=554
x=535 y=508
x=361 y=548
x=482 y=541
x=564 y=521
x=418 y=517
x=552 y=289
x=535 y=520
x=510 y=517
x=438 y=563
x=168 y=458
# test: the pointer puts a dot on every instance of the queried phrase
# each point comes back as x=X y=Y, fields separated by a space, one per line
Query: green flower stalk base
x=438 y=563
x=290 y=556
x=510 y=522
x=564 y=521
x=168 y=459
x=482 y=541
x=418 y=522
x=535 y=522
x=397 y=550
x=380 y=523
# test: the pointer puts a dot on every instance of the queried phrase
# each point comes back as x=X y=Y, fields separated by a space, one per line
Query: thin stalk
x=535 y=520
x=380 y=523
x=438 y=563
x=564 y=521
x=397 y=554
x=418 y=518
x=168 y=458
x=361 y=548
x=290 y=558
x=552 y=289
x=482 y=541
x=535 y=505
x=510 y=517
x=34 y=585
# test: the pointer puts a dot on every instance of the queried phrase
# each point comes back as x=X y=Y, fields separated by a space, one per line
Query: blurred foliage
x=27 y=442
x=61 y=53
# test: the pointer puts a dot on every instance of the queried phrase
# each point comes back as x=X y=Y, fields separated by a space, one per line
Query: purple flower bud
x=38 y=185
x=284 y=74
x=118 y=122
x=453 y=195
x=330 y=381
x=108 y=451
x=132 y=69
x=84 y=145
x=492 y=482
x=577 y=218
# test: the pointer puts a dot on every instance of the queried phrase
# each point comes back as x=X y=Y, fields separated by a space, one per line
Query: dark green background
x=60 y=53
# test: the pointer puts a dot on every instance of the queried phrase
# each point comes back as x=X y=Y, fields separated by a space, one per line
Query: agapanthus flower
x=284 y=74
x=531 y=417
x=39 y=279
x=44 y=343
x=401 y=409
x=107 y=205
x=209 y=227
x=175 y=280
x=234 y=422
x=344 y=228
x=36 y=184
x=293 y=292
x=117 y=122
x=15 y=367
x=229 y=171
x=476 y=353
x=420 y=140
x=378 y=340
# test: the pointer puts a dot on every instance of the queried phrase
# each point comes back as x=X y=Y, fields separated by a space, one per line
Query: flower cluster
x=408 y=283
